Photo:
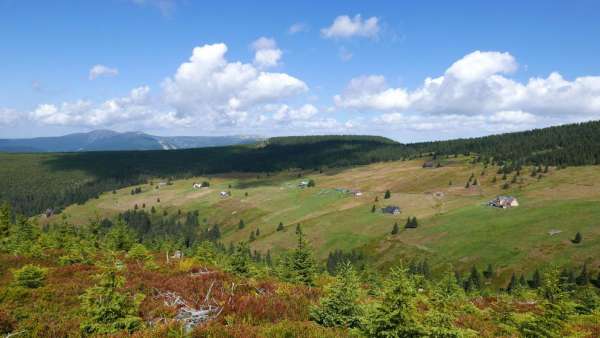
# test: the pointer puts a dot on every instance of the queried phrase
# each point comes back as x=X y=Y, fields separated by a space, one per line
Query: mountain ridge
x=107 y=140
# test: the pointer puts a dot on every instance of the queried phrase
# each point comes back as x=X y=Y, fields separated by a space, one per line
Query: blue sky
x=282 y=68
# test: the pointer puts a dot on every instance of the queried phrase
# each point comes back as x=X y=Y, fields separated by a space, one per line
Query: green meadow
x=455 y=224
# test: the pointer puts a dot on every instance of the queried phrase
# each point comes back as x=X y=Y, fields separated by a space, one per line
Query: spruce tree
x=257 y=232
x=241 y=224
x=512 y=285
x=268 y=259
x=387 y=195
x=280 y=226
x=395 y=314
x=583 y=278
x=108 y=310
x=474 y=279
x=395 y=229
x=373 y=208
x=239 y=262
x=578 y=238
x=339 y=306
x=536 y=279
x=488 y=272
x=303 y=263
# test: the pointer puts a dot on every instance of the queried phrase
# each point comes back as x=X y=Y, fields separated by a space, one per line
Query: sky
x=408 y=70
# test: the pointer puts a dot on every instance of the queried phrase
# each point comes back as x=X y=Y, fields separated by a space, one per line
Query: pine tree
x=268 y=259
x=373 y=208
x=467 y=185
x=241 y=225
x=387 y=195
x=303 y=263
x=536 y=279
x=339 y=306
x=120 y=237
x=106 y=309
x=475 y=182
x=578 y=238
x=240 y=260
x=30 y=276
x=522 y=281
x=512 y=285
x=280 y=226
x=257 y=232
x=395 y=229
x=556 y=309
x=474 y=279
x=489 y=272
x=584 y=277
x=395 y=314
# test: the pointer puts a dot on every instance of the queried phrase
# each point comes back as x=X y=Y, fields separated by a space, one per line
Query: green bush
x=30 y=276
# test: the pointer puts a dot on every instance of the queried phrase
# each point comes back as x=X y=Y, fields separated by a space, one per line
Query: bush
x=30 y=276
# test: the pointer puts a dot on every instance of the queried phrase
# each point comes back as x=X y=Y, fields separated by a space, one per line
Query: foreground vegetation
x=98 y=279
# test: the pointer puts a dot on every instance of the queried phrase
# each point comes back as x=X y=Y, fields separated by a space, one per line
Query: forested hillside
x=35 y=182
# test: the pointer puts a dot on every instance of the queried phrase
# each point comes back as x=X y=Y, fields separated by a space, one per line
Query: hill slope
x=34 y=182
x=455 y=224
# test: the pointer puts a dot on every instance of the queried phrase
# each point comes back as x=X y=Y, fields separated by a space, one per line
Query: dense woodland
x=33 y=183
x=134 y=276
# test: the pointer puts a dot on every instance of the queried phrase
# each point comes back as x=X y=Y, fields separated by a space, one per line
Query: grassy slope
x=456 y=228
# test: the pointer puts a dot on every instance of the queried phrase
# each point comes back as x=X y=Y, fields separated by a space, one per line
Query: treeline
x=572 y=144
x=32 y=183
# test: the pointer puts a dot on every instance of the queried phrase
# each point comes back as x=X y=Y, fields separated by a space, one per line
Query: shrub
x=30 y=276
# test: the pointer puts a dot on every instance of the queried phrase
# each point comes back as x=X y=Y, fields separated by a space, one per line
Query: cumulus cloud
x=102 y=70
x=477 y=88
x=266 y=52
x=226 y=92
x=298 y=27
x=137 y=108
x=206 y=92
x=346 y=27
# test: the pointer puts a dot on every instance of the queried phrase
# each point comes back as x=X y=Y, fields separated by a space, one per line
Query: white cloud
x=285 y=113
x=266 y=52
x=8 y=116
x=298 y=27
x=475 y=88
x=205 y=93
x=102 y=70
x=136 y=109
x=223 y=92
x=346 y=27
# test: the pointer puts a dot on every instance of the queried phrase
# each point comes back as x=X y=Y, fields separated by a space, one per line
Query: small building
x=391 y=209
x=504 y=202
x=225 y=193
x=197 y=186
x=303 y=184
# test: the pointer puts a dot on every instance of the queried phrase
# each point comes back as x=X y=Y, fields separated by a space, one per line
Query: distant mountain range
x=99 y=140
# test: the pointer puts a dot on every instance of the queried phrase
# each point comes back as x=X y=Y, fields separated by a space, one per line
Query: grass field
x=455 y=225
